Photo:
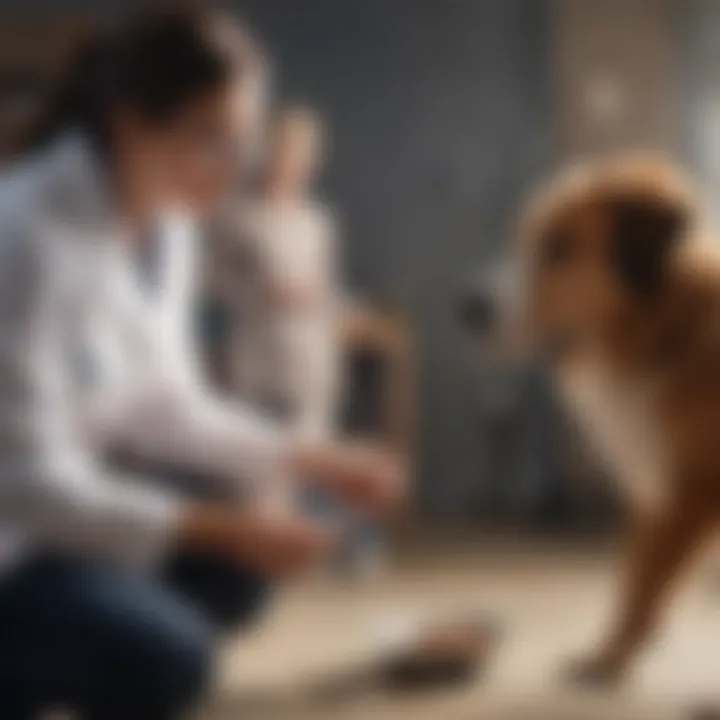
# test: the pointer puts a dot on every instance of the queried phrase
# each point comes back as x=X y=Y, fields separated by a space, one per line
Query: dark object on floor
x=706 y=713
x=440 y=655
x=444 y=653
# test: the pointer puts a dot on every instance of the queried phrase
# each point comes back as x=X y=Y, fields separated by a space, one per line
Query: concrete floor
x=554 y=603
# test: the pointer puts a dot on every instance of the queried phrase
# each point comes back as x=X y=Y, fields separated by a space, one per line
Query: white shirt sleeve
x=51 y=485
x=179 y=419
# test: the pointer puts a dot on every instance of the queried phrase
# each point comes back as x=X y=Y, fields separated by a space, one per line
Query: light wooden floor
x=553 y=603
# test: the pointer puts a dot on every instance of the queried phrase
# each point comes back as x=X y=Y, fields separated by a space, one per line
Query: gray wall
x=439 y=110
x=699 y=94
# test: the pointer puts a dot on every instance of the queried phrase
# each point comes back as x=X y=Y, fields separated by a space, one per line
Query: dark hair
x=153 y=65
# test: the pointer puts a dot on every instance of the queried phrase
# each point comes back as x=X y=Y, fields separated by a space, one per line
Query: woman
x=94 y=613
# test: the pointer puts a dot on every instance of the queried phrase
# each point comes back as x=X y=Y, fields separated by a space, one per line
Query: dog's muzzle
x=487 y=306
x=478 y=311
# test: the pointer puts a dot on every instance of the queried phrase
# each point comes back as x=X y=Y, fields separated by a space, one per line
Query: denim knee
x=251 y=602
x=159 y=670
x=230 y=596
x=178 y=670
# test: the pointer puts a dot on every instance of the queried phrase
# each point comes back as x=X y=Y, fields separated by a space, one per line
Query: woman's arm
x=179 y=420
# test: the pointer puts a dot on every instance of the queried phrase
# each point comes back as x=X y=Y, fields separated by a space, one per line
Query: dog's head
x=593 y=243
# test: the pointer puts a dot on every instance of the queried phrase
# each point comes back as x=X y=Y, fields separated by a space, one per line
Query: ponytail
x=76 y=102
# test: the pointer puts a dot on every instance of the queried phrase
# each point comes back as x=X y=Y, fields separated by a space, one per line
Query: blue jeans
x=107 y=644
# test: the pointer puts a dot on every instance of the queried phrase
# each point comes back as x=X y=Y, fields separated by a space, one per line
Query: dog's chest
x=621 y=423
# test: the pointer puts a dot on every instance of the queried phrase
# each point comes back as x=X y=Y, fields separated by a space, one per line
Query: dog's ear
x=644 y=232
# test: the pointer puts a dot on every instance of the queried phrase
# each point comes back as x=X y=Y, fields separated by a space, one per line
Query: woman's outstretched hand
x=371 y=479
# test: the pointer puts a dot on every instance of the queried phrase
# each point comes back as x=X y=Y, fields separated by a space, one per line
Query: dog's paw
x=596 y=671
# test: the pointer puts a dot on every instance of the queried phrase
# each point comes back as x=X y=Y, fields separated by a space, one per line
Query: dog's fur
x=621 y=290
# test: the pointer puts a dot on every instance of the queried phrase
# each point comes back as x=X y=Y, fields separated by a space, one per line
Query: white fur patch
x=623 y=427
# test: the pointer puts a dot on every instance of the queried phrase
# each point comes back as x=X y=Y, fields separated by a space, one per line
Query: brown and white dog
x=619 y=290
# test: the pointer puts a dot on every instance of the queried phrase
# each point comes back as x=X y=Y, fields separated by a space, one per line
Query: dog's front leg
x=661 y=544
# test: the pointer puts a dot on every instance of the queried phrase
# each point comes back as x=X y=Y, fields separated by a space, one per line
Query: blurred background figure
x=286 y=355
x=284 y=302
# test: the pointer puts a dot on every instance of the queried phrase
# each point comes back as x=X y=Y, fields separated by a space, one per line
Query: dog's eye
x=557 y=249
